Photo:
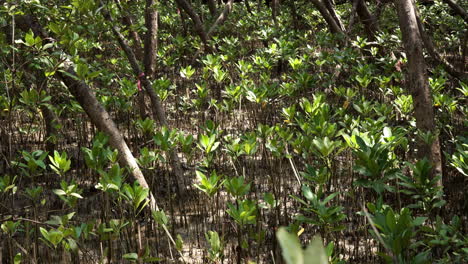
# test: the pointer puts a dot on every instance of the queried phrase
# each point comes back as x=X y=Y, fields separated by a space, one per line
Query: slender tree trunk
x=222 y=17
x=247 y=6
x=275 y=10
x=184 y=5
x=432 y=50
x=151 y=38
x=371 y=26
x=128 y=22
x=418 y=83
x=95 y=111
x=212 y=7
x=137 y=47
x=295 y=15
x=158 y=110
x=458 y=9
x=334 y=27
x=103 y=121
x=353 y=16
x=331 y=9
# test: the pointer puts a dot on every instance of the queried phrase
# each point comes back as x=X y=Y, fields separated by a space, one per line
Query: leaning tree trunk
x=331 y=9
x=334 y=27
x=187 y=7
x=418 y=83
x=158 y=110
x=457 y=9
x=95 y=111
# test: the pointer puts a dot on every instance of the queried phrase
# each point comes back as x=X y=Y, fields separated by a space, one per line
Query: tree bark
x=275 y=10
x=330 y=7
x=128 y=22
x=212 y=7
x=184 y=5
x=103 y=121
x=158 y=111
x=418 y=83
x=221 y=18
x=458 y=9
x=151 y=38
x=432 y=50
x=371 y=26
x=137 y=47
x=334 y=27
x=95 y=111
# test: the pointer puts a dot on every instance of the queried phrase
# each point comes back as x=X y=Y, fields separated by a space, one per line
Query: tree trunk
x=221 y=18
x=184 y=5
x=331 y=9
x=275 y=10
x=158 y=110
x=457 y=9
x=95 y=111
x=212 y=7
x=151 y=38
x=128 y=22
x=432 y=50
x=103 y=121
x=371 y=26
x=418 y=83
x=334 y=27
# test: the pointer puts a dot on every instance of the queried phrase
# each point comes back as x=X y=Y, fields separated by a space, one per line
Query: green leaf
x=18 y=258
x=131 y=256
x=59 y=192
x=291 y=248
x=315 y=252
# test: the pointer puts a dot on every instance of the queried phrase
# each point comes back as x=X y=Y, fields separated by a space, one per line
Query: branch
x=458 y=9
x=221 y=18
x=334 y=27
x=451 y=69
x=183 y=4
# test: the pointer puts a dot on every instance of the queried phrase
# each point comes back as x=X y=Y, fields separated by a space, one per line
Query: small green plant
x=215 y=252
x=145 y=126
x=69 y=193
x=97 y=157
x=7 y=183
x=52 y=237
x=208 y=185
x=111 y=180
x=60 y=163
x=187 y=72
x=422 y=187
x=396 y=232
x=237 y=186
x=244 y=212
x=447 y=240
x=34 y=162
x=165 y=138
x=375 y=164
x=317 y=211
x=459 y=159
x=137 y=196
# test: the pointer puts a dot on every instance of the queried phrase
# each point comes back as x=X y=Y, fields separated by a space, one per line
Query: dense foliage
x=275 y=120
